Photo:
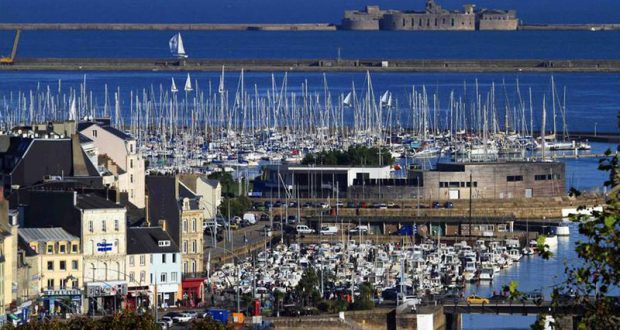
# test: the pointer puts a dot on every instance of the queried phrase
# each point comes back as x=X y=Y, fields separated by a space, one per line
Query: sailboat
x=176 y=46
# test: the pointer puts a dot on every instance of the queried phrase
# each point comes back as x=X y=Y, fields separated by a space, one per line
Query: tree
x=599 y=270
x=308 y=287
x=230 y=187
x=365 y=300
x=354 y=156
x=238 y=206
x=208 y=323
x=122 y=320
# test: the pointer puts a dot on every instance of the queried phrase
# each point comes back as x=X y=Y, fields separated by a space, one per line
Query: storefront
x=62 y=302
x=193 y=291
x=138 y=297
x=105 y=296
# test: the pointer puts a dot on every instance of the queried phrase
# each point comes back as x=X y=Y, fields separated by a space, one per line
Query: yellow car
x=477 y=300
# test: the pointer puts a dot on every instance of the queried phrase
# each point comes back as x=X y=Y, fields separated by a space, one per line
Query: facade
x=316 y=181
x=175 y=208
x=153 y=267
x=119 y=155
x=59 y=263
x=433 y=18
x=8 y=260
x=209 y=191
x=103 y=227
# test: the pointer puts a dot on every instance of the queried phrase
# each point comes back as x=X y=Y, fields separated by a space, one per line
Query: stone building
x=58 y=259
x=451 y=181
x=8 y=259
x=433 y=18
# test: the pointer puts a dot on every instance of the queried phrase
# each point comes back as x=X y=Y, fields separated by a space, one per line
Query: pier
x=312 y=65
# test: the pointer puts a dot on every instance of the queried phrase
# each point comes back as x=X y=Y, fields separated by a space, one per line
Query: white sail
x=73 y=109
x=347 y=100
x=173 y=88
x=188 y=84
x=385 y=98
x=220 y=88
x=176 y=46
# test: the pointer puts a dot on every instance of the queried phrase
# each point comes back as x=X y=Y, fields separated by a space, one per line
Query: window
x=193 y=246
x=130 y=178
x=116 y=225
x=132 y=261
x=74 y=248
x=91 y=227
x=103 y=225
x=63 y=249
x=74 y=265
x=50 y=284
x=50 y=249
x=50 y=265
x=151 y=278
x=185 y=266
x=131 y=147
x=142 y=260
x=173 y=276
x=163 y=243
x=63 y=283
x=514 y=178
x=131 y=277
x=185 y=226
x=76 y=284
x=454 y=184
x=151 y=258
x=63 y=265
x=193 y=266
x=184 y=246
x=163 y=277
x=194 y=225
x=131 y=163
x=174 y=258
x=142 y=276
x=163 y=258
x=94 y=133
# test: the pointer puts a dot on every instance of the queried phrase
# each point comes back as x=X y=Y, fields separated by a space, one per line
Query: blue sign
x=104 y=249
x=104 y=244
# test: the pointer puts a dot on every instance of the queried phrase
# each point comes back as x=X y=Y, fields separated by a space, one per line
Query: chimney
x=163 y=224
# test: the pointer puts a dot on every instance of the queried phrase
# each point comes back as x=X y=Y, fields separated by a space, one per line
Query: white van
x=250 y=218
x=303 y=229
x=329 y=230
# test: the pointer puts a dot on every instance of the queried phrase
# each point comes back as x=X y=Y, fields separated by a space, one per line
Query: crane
x=11 y=60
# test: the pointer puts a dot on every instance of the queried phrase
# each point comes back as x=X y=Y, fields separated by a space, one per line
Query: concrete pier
x=313 y=65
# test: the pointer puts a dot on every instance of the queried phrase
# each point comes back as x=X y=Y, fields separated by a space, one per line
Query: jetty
x=314 y=65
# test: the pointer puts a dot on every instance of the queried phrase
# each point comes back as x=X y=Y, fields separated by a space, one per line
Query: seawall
x=168 y=27
x=312 y=65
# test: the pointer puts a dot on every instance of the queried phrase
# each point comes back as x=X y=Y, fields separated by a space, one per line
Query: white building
x=104 y=244
x=209 y=191
x=153 y=266
x=119 y=155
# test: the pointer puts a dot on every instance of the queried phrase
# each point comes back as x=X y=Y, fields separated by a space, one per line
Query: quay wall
x=570 y=27
x=169 y=27
x=313 y=65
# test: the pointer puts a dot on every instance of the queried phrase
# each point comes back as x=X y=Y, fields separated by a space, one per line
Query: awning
x=191 y=285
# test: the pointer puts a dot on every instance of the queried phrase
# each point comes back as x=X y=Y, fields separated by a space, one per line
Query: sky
x=283 y=11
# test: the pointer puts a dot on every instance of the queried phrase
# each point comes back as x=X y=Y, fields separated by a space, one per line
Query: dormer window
x=163 y=243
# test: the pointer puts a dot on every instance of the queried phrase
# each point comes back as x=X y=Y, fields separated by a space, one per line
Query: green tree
x=365 y=300
x=230 y=187
x=308 y=287
x=599 y=268
x=238 y=206
x=208 y=323
x=354 y=156
x=122 y=320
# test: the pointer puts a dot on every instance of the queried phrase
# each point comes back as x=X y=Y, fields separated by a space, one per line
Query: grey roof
x=45 y=234
x=118 y=133
x=93 y=202
x=142 y=240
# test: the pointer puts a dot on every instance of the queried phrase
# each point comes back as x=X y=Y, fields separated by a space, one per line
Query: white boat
x=176 y=46
x=486 y=274
x=551 y=240
x=562 y=230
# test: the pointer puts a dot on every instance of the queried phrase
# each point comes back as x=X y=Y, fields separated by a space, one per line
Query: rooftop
x=93 y=202
x=143 y=240
x=55 y=234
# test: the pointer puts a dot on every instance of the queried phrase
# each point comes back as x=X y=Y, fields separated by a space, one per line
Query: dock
x=313 y=65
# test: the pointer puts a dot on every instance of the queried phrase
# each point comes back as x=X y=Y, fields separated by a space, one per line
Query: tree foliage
x=308 y=287
x=237 y=205
x=230 y=187
x=354 y=156
x=591 y=280
x=365 y=300
x=208 y=323
x=122 y=320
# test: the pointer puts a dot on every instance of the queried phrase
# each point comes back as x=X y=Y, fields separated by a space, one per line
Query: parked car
x=292 y=219
x=171 y=316
x=350 y=205
x=436 y=205
x=533 y=296
x=329 y=230
x=250 y=218
x=477 y=300
x=324 y=205
x=303 y=229
x=448 y=205
x=498 y=298
x=167 y=321
x=363 y=229
x=264 y=217
x=182 y=318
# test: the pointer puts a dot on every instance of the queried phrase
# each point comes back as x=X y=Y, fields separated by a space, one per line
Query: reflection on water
x=532 y=273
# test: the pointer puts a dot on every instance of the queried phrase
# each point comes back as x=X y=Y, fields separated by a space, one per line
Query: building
x=480 y=180
x=174 y=207
x=433 y=18
x=153 y=268
x=57 y=257
x=104 y=237
x=315 y=181
x=209 y=191
x=8 y=260
x=119 y=155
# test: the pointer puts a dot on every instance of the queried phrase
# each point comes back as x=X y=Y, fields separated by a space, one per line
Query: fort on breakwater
x=311 y=65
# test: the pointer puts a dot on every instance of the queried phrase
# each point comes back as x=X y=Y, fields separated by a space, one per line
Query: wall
x=189 y=234
x=113 y=261
x=172 y=285
x=55 y=258
x=428 y=22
